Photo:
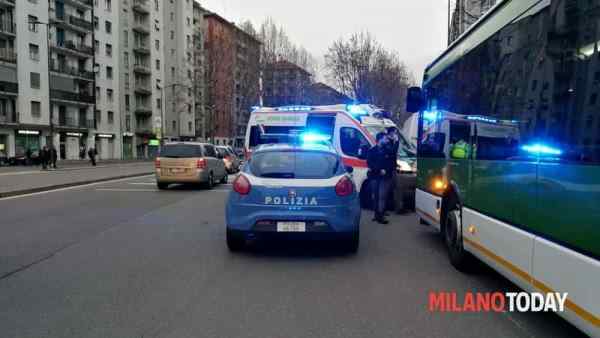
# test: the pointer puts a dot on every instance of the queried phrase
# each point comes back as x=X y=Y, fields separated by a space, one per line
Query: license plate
x=291 y=227
x=177 y=171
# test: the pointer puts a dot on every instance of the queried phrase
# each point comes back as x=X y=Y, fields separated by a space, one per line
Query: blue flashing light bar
x=432 y=115
x=355 y=109
x=541 y=149
x=482 y=119
x=294 y=108
x=314 y=138
x=255 y=108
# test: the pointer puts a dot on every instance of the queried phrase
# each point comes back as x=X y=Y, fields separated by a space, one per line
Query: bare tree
x=363 y=70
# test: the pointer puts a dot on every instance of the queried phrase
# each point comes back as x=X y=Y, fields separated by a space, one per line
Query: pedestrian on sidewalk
x=44 y=157
x=380 y=175
x=92 y=154
x=53 y=157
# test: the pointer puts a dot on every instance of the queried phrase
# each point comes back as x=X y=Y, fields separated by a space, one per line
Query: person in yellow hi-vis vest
x=460 y=150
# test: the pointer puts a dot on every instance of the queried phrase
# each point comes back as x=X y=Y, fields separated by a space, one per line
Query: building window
x=125 y=38
x=157 y=64
x=128 y=122
x=190 y=127
x=96 y=46
x=96 y=23
x=34 y=52
x=109 y=95
x=108 y=27
x=158 y=104
x=36 y=108
x=111 y=117
x=126 y=59
x=174 y=125
x=109 y=72
x=108 y=50
x=172 y=35
x=98 y=94
x=32 y=26
x=157 y=44
x=108 y=5
x=35 y=80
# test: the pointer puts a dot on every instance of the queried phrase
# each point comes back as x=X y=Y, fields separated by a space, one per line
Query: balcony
x=72 y=71
x=71 y=122
x=9 y=87
x=7 y=3
x=80 y=3
x=141 y=27
x=141 y=6
x=75 y=48
x=142 y=68
x=9 y=118
x=141 y=48
x=81 y=23
x=143 y=111
x=8 y=28
x=143 y=89
x=82 y=98
x=8 y=55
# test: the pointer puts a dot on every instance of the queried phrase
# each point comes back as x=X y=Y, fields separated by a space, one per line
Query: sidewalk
x=24 y=180
x=70 y=164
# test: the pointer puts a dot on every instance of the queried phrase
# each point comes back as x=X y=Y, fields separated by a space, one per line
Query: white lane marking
x=143 y=183
x=74 y=187
x=126 y=190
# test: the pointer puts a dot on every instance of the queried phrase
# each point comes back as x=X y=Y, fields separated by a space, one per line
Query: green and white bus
x=509 y=149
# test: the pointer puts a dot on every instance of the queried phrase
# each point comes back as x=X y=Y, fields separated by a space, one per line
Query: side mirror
x=349 y=169
x=414 y=100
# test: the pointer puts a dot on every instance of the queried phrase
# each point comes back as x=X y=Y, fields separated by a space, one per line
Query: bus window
x=460 y=140
x=353 y=142
x=433 y=145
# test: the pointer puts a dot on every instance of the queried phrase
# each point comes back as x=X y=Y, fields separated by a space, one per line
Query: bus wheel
x=462 y=260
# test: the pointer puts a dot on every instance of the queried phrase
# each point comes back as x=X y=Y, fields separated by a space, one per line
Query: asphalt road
x=122 y=259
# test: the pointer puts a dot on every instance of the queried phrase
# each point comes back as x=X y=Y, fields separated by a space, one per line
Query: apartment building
x=108 y=141
x=179 y=62
x=465 y=13
x=199 y=72
x=9 y=82
x=232 y=59
x=141 y=76
x=285 y=83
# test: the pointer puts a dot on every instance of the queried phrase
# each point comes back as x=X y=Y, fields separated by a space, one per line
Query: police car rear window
x=301 y=165
x=181 y=151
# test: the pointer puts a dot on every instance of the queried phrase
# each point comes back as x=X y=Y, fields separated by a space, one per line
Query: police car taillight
x=241 y=185
x=344 y=187
x=157 y=163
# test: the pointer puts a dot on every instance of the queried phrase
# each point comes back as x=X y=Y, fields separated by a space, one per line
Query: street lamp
x=51 y=112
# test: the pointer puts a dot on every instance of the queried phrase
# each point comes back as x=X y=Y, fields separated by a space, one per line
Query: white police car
x=294 y=191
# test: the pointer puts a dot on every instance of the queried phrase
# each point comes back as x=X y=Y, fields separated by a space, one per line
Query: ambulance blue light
x=314 y=138
x=542 y=149
x=294 y=108
x=482 y=119
x=431 y=115
x=255 y=108
x=355 y=109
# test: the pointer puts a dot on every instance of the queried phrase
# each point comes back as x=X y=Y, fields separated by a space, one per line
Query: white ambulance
x=340 y=124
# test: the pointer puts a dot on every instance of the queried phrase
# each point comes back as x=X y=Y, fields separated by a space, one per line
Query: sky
x=416 y=29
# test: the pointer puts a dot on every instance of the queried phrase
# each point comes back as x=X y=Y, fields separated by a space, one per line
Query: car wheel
x=234 y=242
x=162 y=186
x=210 y=183
x=225 y=179
x=460 y=259
x=352 y=243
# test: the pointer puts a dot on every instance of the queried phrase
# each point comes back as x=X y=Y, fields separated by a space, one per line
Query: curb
x=69 y=185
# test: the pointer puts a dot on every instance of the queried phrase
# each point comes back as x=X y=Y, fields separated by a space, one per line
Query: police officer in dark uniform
x=380 y=174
